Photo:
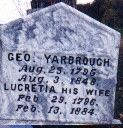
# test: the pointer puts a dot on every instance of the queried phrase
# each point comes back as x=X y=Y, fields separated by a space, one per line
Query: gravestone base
x=15 y=122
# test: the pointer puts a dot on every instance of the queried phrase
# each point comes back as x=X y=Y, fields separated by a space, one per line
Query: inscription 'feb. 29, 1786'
x=58 y=65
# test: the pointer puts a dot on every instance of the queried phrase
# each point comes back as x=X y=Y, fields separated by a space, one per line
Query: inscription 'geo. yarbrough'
x=65 y=59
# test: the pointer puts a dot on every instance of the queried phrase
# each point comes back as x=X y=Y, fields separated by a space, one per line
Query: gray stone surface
x=60 y=31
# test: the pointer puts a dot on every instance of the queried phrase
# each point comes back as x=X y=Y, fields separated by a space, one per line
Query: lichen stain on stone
x=30 y=32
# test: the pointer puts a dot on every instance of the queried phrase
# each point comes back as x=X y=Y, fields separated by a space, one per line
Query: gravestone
x=58 y=65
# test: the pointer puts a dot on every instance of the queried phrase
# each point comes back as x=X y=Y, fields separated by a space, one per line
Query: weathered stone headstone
x=58 y=65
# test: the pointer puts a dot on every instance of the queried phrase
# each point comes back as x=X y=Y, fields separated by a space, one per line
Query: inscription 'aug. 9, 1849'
x=63 y=81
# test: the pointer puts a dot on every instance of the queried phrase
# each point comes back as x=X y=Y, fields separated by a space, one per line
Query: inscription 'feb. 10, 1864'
x=58 y=65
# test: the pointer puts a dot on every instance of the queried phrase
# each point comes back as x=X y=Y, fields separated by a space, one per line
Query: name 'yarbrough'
x=78 y=60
